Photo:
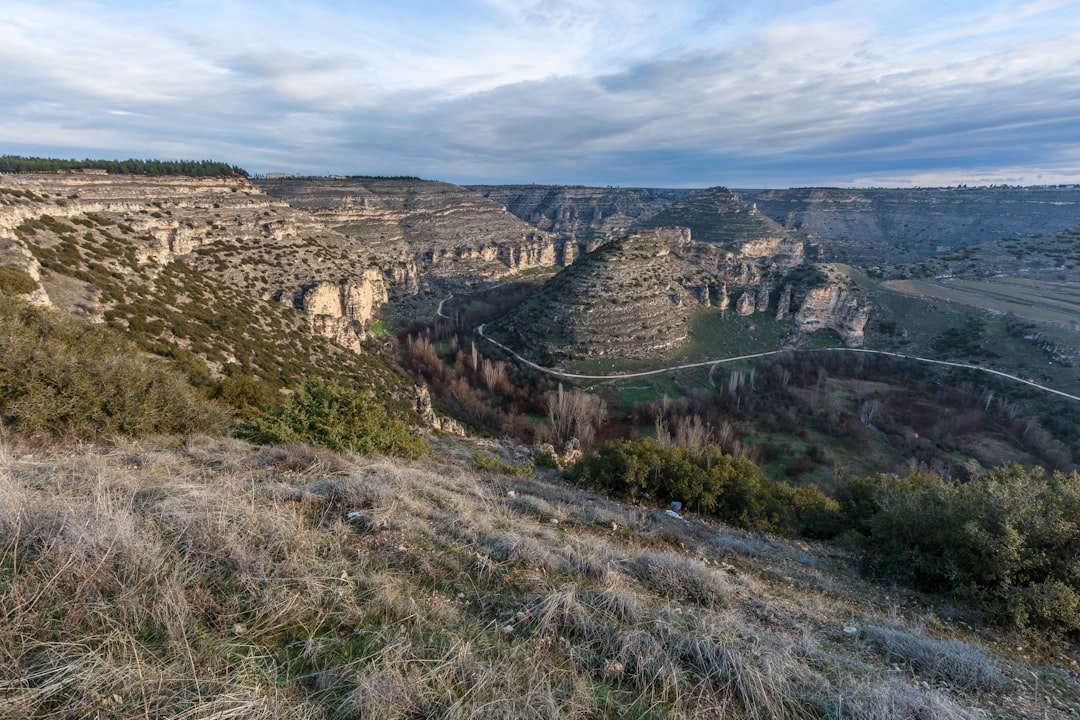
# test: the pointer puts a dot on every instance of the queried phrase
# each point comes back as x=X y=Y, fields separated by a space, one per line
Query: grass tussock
x=212 y=578
x=951 y=661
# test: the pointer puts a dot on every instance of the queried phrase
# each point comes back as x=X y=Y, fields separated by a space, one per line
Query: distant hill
x=888 y=225
x=720 y=217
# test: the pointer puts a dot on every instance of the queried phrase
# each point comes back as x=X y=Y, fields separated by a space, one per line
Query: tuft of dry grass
x=951 y=661
x=675 y=575
x=897 y=700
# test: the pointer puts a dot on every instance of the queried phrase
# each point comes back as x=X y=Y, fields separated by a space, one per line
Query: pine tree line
x=187 y=168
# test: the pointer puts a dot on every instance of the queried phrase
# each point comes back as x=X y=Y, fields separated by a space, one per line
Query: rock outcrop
x=436 y=422
x=834 y=306
x=344 y=311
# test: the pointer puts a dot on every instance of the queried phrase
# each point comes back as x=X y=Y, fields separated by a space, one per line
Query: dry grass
x=213 y=579
x=951 y=661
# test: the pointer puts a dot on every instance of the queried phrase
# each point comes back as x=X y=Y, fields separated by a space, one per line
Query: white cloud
x=541 y=89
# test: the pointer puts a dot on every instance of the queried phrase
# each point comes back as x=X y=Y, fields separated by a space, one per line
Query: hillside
x=631 y=298
x=211 y=578
x=265 y=282
x=640 y=297
x=720 y=217
x=882 y=226
x=588 y=215
x=436 y=231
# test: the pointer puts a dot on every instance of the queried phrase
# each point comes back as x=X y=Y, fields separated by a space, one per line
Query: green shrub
x=323 y=413
x=16 y=281
x=731 y=488
x=64 y=377
x=1007 y=542
x=243 y=391
x=494 y=464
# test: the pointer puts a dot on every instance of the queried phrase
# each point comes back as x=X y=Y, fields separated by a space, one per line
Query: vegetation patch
x=708 y=481
x=16 y=281
x=1004 y=542
x=324 y=414
x=64 y=377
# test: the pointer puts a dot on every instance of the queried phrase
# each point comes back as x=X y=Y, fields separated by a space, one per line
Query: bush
x=64 y=377
x=1006 y=542
x=323 y=413
x=709 y=481
x=16 y=281
x=494 y=464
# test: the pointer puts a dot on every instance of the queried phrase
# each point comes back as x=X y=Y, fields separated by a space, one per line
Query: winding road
x=438 y=310
x=707 y=363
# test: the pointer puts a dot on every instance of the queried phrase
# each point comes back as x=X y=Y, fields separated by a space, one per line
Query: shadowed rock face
x=589 y=216
x=888 y=226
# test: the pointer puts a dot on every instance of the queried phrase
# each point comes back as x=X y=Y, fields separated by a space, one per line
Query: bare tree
x=493 y=373
x=575 y=414
x=692 y=433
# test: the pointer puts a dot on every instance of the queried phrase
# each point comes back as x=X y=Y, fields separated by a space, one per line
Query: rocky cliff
x=215 y=269
x=343 y=311
x=426 y=232
x=589 y=216
x=837 y=306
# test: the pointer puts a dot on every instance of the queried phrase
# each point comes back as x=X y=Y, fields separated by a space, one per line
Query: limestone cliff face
x=344 y=311
x=589 y=216
x=169 y=235
x=748 y=276
x=434 y=234
x=834 y=306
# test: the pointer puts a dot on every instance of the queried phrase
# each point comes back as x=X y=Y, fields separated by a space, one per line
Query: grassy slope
x=215 y=578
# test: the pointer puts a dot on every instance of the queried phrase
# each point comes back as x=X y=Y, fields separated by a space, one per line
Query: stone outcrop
x=344 y=311
x=427 y=414
x=835 y=306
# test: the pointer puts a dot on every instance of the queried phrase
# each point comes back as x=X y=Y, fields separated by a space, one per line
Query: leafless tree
x=493 y=373
x=692 y=433
x=575 y=414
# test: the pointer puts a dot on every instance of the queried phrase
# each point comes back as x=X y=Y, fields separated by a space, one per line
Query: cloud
x=569 y=91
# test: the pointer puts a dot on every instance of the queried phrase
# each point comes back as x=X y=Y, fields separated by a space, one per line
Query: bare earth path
x=706 y=363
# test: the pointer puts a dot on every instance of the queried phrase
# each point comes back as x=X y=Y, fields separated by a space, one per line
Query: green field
x=1035 y=300
x=719 y=334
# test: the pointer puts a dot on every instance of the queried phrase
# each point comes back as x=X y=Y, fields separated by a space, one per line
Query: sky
x=681 y=93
